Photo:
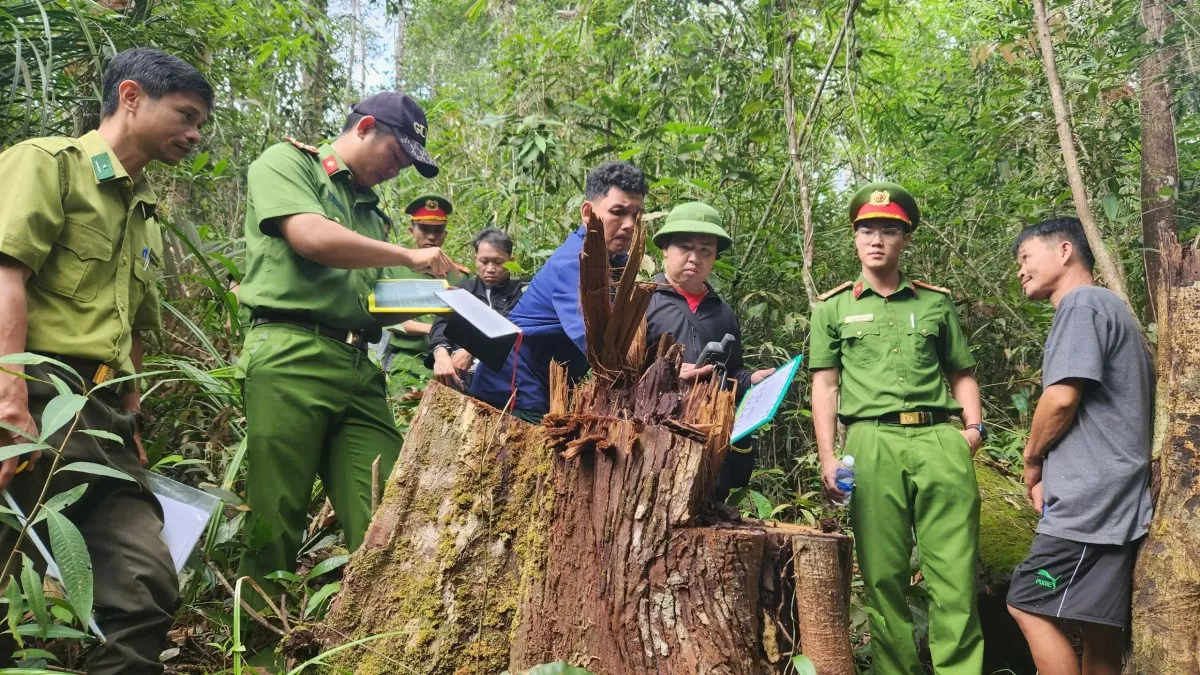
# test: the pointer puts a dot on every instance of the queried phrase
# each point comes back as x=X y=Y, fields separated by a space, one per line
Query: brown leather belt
x=354 y=338
x=916 y=418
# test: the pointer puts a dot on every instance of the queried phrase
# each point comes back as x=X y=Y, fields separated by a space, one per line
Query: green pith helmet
x=885 y=200
x=694 y=218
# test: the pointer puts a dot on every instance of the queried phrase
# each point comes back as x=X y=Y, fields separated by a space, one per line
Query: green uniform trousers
x=917 y=478
x=136 y=591
x=314 y=407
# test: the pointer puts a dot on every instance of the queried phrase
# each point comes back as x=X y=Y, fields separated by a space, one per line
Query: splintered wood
x=614 y=350
x=593 y=538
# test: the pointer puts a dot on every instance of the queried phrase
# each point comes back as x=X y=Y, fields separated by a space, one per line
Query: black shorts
x=1071 y=580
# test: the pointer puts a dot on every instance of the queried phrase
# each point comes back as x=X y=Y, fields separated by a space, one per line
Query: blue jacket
x=551 y=320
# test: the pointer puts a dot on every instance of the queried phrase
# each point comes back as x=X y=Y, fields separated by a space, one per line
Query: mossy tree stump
x=592 y=539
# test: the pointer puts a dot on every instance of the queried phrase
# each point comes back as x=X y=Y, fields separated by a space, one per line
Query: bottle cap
x=848 y=462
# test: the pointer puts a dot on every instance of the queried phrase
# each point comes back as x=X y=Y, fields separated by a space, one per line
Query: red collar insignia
x=858 y=289
x=331 y=165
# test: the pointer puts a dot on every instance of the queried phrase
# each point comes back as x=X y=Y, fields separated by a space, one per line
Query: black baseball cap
x=404 y=116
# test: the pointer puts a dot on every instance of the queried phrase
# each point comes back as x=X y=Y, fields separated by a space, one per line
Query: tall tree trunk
x=1166 y=616
x=315 y=80
x=1112 y=274
x=398 y=48
x=1160 y=164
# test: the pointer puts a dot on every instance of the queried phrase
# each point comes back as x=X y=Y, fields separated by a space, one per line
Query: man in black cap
x=316 y=242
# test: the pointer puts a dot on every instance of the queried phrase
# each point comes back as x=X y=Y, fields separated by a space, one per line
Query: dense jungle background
x=771 y=110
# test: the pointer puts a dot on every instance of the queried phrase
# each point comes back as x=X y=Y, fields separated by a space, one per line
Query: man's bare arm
x=325 y=242
x=1054 y=416
x=14 y=395
x=965 y=389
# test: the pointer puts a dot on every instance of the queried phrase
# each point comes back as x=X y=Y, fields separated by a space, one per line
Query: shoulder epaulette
x=834 y=291
x=931 y=287
x=52 y=144
x=311 y=149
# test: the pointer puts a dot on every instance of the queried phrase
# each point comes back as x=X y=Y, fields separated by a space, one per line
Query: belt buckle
x=353 y=338
x=103 y=374
x=907 y=418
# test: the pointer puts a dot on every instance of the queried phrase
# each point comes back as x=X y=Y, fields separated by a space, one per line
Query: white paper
x=763 y=399
x=182 y=526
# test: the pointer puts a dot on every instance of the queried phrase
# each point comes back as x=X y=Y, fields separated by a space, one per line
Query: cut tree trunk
x=592 y=539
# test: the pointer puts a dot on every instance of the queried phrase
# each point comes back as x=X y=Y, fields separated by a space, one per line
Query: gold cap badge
x=881 y=198
x=432 y=204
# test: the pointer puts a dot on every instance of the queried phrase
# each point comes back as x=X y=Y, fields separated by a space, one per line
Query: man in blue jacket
x=549 y=314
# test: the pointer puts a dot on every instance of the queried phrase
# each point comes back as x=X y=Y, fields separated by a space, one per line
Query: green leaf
x=282 y=575
x=16 y=606
x=1111 y=206
x=74 y=563
x=10 y=451
x=106 y=435
x=60 y=501
x=314 y=602
x=327 y=565
x=59 y=385
x=761 y=504
x=1021 y=403
x=54 y=632
x=96 y=469
x=32 y=582
x=26 y=654
x=59 y=411
x=199 y=162
x=803 y=665
x=766 y=76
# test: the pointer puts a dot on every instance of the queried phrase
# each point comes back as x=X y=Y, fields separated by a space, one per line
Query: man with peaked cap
x=404 y=345
x=884 y=342
x=316 y=243
x=685 y=306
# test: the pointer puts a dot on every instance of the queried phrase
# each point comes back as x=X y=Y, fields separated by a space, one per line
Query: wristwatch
x=983 y=433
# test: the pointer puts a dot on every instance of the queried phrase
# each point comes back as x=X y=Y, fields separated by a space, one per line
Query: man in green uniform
x=316 y=242
x=884 y=343
x=80 y=253
x=403 y=357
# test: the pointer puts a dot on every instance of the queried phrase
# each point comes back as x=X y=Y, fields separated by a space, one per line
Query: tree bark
x=440 y=564
x=1160 y=164
x=315 y=80
x=1114 y=278
x=398 y=48
x=1166 y=580
x=593 y=538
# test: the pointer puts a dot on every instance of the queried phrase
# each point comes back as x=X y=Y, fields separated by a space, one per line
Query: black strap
x=916 y=418
x=353 y=338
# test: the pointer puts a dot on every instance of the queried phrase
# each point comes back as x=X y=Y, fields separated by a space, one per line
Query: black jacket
x=669 y=313
x=501 y=298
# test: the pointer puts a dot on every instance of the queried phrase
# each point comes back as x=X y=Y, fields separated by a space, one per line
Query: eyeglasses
x=884 y=233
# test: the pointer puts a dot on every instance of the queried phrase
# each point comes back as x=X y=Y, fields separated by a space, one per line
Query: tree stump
x=593 y=538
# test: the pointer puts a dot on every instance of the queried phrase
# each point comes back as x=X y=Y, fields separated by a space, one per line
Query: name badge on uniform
x=858 y=318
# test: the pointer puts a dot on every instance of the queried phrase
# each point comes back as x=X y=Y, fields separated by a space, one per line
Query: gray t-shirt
x=1097 y=478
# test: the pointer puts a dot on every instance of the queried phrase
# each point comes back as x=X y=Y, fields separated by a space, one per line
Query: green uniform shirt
x=70 y=212
x=288 y=180
x=890 y=352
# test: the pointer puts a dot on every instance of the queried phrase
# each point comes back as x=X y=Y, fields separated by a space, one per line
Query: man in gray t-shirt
x=1087 y=461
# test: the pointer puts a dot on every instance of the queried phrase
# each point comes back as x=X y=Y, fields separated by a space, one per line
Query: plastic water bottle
x=844 y=478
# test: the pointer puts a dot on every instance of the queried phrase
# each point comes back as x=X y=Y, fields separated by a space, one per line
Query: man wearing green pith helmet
x=893 y=349
x=686 y=307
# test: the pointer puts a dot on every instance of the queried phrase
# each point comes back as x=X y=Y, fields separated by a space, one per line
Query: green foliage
x=947 y=97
